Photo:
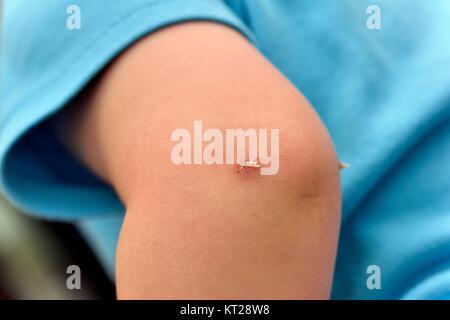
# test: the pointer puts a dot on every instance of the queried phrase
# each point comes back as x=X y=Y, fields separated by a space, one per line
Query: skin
x=203 y=231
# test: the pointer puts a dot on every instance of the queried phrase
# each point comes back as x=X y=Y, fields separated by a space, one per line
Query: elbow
x=208 y=232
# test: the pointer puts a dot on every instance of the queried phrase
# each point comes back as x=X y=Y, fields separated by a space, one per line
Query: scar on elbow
x=249 y=165
x=253 y=165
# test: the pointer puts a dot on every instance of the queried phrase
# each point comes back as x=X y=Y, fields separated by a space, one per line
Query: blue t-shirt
x=384 y=95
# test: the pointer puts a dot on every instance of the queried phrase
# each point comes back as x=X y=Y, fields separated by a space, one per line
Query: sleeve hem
x=64 y=85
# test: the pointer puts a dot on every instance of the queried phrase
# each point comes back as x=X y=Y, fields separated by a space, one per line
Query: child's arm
x=201 y=231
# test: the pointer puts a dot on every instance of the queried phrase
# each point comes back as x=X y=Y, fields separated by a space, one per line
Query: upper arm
x=202 y=230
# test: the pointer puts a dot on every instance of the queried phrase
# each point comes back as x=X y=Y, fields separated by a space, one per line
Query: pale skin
x=204 y=231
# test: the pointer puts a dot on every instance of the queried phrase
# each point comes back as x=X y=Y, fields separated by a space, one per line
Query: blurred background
x=35 y=254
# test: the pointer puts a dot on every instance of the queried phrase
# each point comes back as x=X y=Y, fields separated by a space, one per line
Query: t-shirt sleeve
x=44 y=63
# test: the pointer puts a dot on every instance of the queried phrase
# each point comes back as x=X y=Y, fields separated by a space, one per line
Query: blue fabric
x=384 y=95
